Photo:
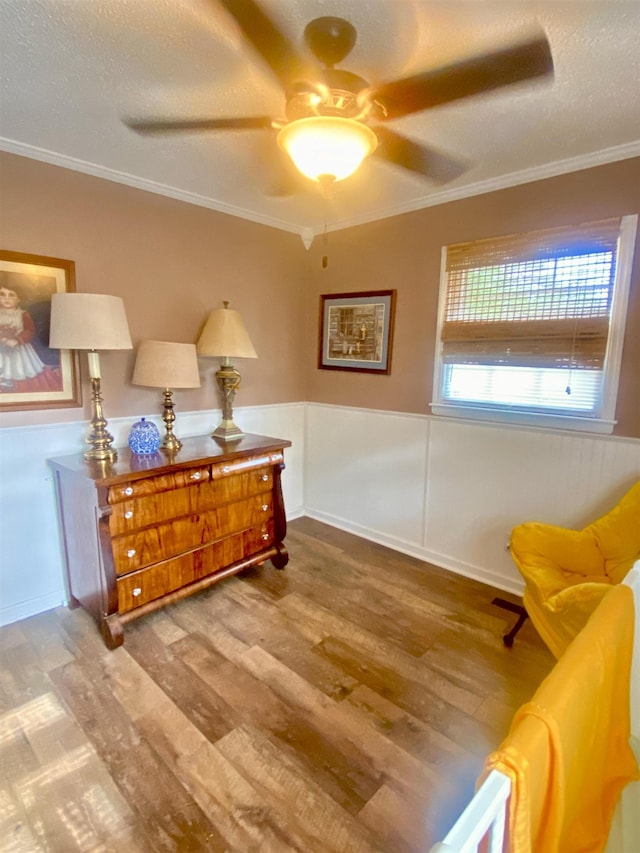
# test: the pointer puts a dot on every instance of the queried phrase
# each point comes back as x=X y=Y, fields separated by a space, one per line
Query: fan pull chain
x=325 y=257
x=326 y=184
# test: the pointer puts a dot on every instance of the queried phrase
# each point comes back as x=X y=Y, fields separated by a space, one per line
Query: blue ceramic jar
x=144 y=437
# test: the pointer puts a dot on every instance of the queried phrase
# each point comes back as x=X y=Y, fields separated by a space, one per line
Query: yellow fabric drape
x=568 y=572
x=568 y=754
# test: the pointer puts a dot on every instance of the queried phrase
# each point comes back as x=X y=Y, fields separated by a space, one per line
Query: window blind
x=541 y=299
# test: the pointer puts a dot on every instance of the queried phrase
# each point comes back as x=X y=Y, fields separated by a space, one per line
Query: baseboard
x=31 y=607
x=295 y=513
x=458 y=567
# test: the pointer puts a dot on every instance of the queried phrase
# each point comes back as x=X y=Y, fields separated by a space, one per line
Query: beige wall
x=172 y=263
x=404 y=253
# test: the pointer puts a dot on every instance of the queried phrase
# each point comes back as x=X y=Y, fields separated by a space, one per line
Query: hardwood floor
x=344 y=704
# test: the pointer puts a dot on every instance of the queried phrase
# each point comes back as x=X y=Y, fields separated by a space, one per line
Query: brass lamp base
x=170 y=442
x=227 y=431
x=99 y=439
x=228 y=378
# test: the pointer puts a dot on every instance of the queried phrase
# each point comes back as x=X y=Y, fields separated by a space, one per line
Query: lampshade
x=225 y=335
x=327 y=145
x=91 y=321
x=164 y=364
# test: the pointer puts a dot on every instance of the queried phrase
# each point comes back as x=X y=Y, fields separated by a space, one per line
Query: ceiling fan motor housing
x=334 y=93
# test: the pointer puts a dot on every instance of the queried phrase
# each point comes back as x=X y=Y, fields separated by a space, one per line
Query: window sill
x=520 y=418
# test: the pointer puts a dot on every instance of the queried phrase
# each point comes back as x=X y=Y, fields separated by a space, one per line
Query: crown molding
x=65 y=162
x=525 y=176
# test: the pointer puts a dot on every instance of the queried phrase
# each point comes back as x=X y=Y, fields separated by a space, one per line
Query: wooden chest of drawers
x=145 y=531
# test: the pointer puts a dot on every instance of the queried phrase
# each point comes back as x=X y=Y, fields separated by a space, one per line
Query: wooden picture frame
x=32 y=375
x=356 y=331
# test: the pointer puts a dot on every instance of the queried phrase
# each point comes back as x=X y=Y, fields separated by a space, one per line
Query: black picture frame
x=356 y=331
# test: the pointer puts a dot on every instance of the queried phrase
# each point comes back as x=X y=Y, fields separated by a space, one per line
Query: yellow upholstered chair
x=567 y=572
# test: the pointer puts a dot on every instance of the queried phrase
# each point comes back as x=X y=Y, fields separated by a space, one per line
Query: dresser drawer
x=161 y=541
x=249 y=463
x=139 y=587
x=162 y=483
x=137 y=512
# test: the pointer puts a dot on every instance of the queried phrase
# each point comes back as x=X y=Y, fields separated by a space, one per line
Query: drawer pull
x=136 y=591
x=226 y=469
x=265 y=477
x=265 y=507
x=196 y=476
x=131 y=552
x=128 y=491
x=265 y=536
x=128 y=514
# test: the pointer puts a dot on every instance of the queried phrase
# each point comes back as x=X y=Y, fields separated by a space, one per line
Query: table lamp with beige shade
x=225 y=335
x=167 y=365
x=92 y=322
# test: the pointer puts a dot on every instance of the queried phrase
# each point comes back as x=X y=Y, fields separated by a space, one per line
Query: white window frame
x=605 y=421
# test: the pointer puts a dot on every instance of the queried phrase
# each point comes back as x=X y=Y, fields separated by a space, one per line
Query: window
x=531 y=325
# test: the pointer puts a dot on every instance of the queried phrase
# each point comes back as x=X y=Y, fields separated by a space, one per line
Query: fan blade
x=147 y=126
x=272 y=45
x=408 y=154
x=469 y=77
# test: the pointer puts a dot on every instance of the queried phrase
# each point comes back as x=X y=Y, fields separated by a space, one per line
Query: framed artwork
x=32 y=375
x=356 y=331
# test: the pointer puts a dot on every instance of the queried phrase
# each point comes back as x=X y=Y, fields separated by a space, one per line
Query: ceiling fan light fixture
x=327 y=146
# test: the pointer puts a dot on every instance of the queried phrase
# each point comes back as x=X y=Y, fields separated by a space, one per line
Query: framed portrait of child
x=32 y=375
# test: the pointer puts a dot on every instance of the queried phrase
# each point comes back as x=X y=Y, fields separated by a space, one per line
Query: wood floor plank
x=392 y=816
x=349 y=786
x=343 y=726
x=21 y=677
x=204 y=708
x=341 y=584
x=67 y=798
x=47 y=642
x=74 y=804
x=413 y=695
x=15 y=832
x=408 y=732
x=288 y=638
x=166 y=814
x=237 y=811
x=323 y=825
x=344 y=704
x=370 y=647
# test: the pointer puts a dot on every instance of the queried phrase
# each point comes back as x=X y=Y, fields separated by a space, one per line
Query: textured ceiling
x=72 y=69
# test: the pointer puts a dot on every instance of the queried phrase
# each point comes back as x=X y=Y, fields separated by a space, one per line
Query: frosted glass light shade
x=327 y=146
x=164 y=364
x=91 y=321
x=225 y=335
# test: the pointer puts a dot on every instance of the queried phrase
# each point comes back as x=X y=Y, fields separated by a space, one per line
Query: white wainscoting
x=443 y=490
x=31 y=571
x=450 y=491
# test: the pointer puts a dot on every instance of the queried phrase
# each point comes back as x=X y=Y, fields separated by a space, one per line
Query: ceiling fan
x=335 y=118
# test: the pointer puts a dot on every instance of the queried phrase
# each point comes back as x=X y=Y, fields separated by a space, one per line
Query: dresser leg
x=280 y=559
x=112 y=631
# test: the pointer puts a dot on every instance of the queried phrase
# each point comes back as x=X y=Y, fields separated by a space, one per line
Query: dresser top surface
x=201 y=449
